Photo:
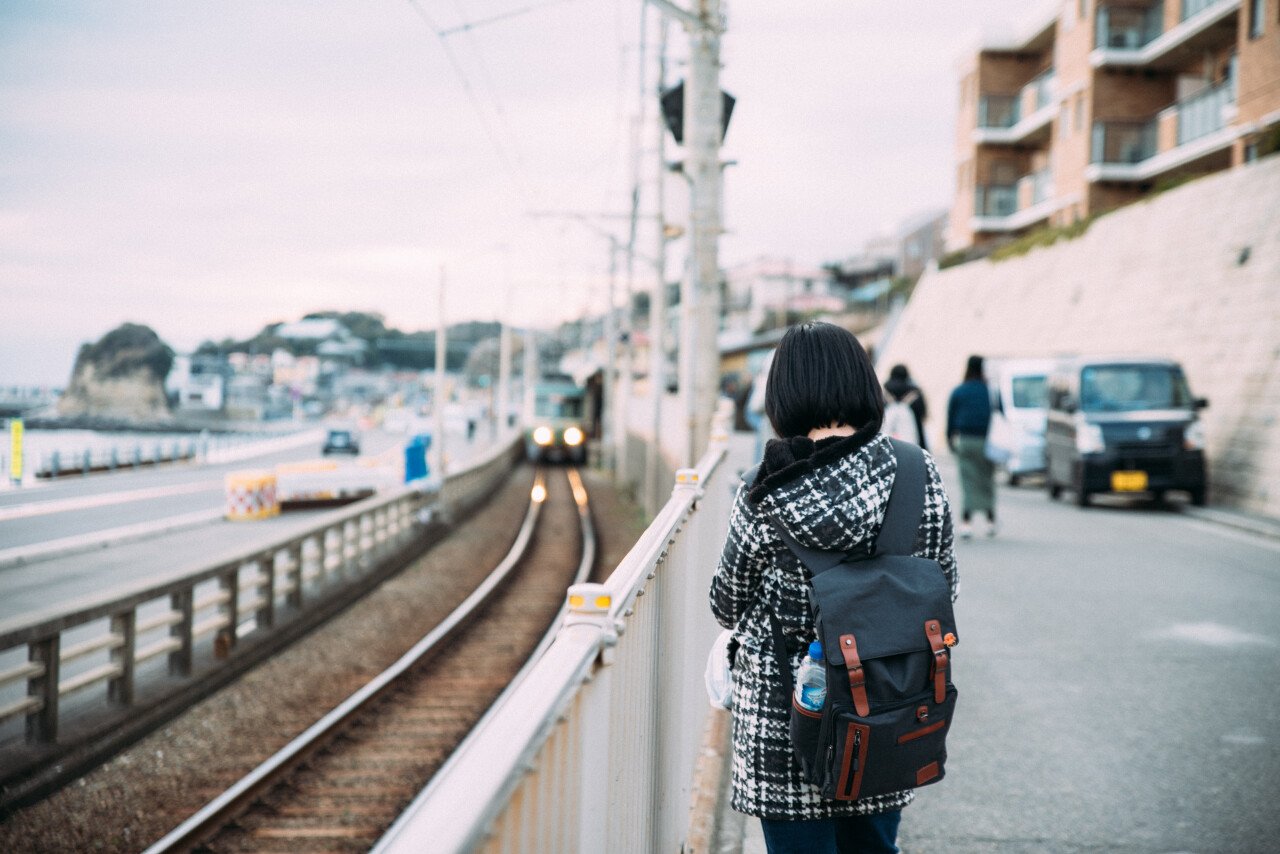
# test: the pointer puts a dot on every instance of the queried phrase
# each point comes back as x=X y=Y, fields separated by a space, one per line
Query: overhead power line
x=467 y=26
x=497 y=143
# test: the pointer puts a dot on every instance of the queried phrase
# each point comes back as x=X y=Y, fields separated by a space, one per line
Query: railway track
x=340 y=784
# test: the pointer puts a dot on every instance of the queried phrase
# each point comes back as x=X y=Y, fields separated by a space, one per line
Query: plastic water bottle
x=811 y=681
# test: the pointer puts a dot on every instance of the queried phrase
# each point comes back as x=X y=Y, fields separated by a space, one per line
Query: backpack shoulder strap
x=906 y=502
x=817 y=561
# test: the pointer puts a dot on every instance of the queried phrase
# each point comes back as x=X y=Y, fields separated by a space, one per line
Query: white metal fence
x=594 y=748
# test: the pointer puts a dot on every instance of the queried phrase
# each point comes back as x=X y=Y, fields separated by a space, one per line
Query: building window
x=1064 y=117
x=1082 y=8
x=1079 y=112
x=1251 y=152
x=1257 y=11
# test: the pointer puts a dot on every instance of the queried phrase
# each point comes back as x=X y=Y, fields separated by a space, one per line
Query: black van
x=1123 y=425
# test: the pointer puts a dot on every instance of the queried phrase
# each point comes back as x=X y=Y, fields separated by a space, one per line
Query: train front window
x=558 y=406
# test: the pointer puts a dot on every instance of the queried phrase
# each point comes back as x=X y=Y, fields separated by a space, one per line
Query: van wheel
x=1198 y=497
x=1055 y=491
x=1014 y=479
x=1082 y=497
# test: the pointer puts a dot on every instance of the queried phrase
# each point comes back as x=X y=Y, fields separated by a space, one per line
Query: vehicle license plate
x=1128 y=481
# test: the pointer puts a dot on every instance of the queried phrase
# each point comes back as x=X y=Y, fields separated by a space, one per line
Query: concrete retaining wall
x=1194 y=274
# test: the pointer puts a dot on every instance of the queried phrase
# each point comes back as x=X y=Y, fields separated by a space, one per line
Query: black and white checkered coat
x=830 y=494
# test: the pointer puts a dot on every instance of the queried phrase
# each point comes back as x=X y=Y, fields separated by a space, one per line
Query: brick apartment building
x=1098 y=102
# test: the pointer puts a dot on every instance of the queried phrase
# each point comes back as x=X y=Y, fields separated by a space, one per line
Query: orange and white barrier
x=251 y=495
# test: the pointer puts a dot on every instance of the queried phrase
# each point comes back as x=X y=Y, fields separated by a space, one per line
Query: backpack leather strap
x=938 y=671
x=901 y=516
x=857 y=678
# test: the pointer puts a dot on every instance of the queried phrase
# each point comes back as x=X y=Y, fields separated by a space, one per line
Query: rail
x=104 y=664
x=593 y=750
x=231 y=803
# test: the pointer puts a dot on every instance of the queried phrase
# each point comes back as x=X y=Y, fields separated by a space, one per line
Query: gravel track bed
x=148 y=789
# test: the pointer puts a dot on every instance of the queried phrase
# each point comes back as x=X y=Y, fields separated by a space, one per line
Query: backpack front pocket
x=806 y=739
x=891 y=749
x=851 y=739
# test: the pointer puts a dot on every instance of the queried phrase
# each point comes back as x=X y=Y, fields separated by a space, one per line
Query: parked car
x=341 y=440
x=1124 y=425
x=1020 y=399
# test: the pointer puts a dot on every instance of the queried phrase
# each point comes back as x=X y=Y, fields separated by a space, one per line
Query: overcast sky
x=207 y=168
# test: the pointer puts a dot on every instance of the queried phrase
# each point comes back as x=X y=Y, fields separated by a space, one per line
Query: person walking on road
x=901 y=388
x=827 y=482
x=968 y=420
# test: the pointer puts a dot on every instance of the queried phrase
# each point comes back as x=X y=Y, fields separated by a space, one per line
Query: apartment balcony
x=1009 y=208
x=1194 y=129
x=1134 y=37
x=1018 y=119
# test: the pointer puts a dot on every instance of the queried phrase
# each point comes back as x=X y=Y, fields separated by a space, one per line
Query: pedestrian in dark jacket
x=968 y=420
x=901 y=387
x=827 y=481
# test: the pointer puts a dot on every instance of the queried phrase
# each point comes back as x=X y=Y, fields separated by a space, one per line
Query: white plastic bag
x=719 y=676
x=1000 y=440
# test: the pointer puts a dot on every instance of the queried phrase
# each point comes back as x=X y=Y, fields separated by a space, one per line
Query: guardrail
x=594 y=749
x=107 y=664
x=133 y=452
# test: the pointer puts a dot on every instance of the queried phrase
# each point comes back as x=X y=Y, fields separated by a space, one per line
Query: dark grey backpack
x=886 y=627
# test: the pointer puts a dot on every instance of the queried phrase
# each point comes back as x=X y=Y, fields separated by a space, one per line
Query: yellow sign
x=1128 y=481
x=15 y=449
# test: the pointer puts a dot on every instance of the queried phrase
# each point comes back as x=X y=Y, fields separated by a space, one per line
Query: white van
x=1019 y=406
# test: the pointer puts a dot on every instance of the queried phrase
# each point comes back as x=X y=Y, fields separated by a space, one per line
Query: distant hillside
x=387 y=346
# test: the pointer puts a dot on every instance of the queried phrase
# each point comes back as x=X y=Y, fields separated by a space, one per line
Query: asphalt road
x=44 y=587
x=1119 y=678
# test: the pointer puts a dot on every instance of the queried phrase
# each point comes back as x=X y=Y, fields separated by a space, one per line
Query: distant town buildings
x=1099 y=102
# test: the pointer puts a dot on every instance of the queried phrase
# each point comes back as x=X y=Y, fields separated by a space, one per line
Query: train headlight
x=573 y=436
x=542 y=436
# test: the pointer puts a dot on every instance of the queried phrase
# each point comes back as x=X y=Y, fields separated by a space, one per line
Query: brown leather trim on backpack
x=922 y=732
x=938 y=672
x=802 y=710
x=927 y=773
x=857 y=678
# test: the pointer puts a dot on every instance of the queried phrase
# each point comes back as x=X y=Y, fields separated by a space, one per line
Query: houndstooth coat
x=829 y=494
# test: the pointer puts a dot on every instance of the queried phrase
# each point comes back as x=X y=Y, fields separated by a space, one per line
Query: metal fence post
x=293 y=577
x=124 y=656
x=226 y=638
x=180 y=659
x=266 y=614
x=42 y=724
x=594 y=759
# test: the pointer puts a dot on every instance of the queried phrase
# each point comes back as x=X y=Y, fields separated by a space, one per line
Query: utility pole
x=437 y=410
x=700 y=291
x=530 y=375
x=503 y=403
x=608 y=387
x=622 y=472
x=658 y=301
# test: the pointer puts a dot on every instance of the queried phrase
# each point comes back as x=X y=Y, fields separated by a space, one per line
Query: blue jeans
x=860 y=834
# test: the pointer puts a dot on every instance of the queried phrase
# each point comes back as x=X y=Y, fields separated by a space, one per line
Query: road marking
x=1212 y=634
x=102 y=539
x=106 y=499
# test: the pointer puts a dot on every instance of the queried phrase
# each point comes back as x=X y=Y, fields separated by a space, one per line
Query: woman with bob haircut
x=826 y=481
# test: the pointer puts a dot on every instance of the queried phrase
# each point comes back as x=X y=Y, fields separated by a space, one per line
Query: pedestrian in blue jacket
x=968 y=419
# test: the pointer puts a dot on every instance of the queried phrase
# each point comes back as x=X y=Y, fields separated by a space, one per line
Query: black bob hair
x=821 y=377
